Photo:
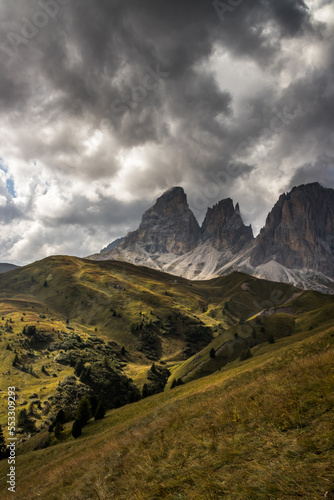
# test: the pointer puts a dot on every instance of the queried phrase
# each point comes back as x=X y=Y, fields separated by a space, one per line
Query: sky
x=105 y=104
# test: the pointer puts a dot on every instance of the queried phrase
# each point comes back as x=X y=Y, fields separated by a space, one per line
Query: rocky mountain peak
x=167 y=227
x=299 y=230
x=172 y=201
x=224 y=227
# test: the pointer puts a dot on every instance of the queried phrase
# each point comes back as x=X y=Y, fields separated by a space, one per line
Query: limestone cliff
x=224 y=228
x=299 y=231
x=167 y=227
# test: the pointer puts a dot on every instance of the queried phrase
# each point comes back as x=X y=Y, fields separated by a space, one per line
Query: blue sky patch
x=10 y=187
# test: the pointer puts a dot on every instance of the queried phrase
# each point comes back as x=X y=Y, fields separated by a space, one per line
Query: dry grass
x=262 y=430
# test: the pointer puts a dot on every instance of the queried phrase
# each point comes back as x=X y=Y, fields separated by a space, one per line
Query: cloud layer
x=105 y=104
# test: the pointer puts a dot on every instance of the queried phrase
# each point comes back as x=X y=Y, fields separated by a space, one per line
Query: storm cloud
x=105 y=104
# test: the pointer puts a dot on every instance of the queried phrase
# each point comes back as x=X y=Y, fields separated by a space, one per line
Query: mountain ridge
x=296 y=245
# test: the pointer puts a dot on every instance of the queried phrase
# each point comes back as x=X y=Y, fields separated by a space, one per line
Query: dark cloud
x=321 y=170
x=136 y=97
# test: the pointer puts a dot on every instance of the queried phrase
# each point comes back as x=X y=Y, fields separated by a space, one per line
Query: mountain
x=167 y=227
x=169 y=238
x=4 y=268
x=112 y=245
x=224 y=229
x=299 y=231
x=295 y=246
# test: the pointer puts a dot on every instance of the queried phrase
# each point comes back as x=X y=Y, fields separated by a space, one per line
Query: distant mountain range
x=296 y=244
x=7 y=267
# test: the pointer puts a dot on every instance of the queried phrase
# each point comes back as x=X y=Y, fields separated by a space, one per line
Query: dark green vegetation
x=102 y=335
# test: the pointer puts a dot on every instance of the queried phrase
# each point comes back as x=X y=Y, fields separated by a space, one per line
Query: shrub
x=25 y=421
x=79 y=366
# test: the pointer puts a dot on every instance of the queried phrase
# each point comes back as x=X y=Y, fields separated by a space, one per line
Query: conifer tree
x=60 y=417
x=76 y=429
x=100 y=410
x=145 y=391
x=84 y=411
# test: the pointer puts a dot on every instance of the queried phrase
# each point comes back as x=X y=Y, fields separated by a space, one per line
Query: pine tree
x=76 y=429
x=84 y=411
x=145 y=391
x=100 y=410
x=60 y=417
x=94 y=401
x=212 y=353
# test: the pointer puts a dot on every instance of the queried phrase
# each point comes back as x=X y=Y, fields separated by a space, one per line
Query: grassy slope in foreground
x=261 y=429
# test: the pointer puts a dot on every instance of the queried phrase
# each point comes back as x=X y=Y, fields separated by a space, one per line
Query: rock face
x=224 y=228
x=112 y=245
x=299 y=231
x=295 y=246
x=167 y=227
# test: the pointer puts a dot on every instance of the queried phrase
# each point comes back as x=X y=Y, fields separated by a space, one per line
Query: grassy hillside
x=300 y=314
x=254 y=429
x=152 y=315
x=259 y=429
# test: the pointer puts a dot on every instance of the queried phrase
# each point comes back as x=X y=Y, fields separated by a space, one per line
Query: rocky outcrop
x=224 y=228
x=299 y=231
x=167 y=227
